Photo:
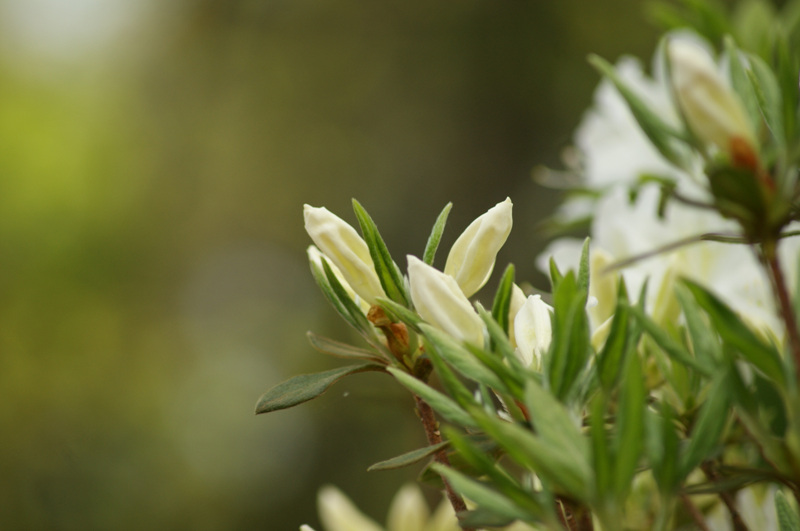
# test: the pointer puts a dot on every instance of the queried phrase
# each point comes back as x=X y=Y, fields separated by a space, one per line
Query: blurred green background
x=154 y=159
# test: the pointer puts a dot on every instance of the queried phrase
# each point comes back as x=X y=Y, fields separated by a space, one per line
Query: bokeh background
x=154 y=159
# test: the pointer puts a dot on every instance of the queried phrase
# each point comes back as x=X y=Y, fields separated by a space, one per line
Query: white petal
x=344 y=247
x=439 y=300
x=533 y=331
x=471 y=259
x=337 y=512
x=408 y=511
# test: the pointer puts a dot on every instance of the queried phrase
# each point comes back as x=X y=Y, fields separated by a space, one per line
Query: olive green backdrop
x=153 y=280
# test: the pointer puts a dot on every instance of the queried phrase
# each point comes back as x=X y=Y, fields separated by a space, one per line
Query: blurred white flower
x=439 y=300
x=342 y=245
x=472 y=257
x=615 y=154
x=408 y=512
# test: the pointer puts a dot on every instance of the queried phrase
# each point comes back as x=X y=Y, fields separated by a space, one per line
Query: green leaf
x=511 y=369
x=460 y=358
x=305 y=387
x=742 y=84
x=387 y=270
x=502 y=299
x=436 y=235
x=660 y=134
x=674 y=350
x=456 y=389
x=583 y=268
x=787 y=516
x=483 y=495
x=554 y=423
x=569 y=473
x=398 y=312
x=341 y=350
x=662 y=448
x=768 y=93
x=704 y=341
x=738 y=335
x=555 y=275
x=629 y=436
x=602 y=459
x=481 y=461
x=441 y=403
x=570 y=348
x=408 y=458
x=332 y=295
x=613 y=352
x=707 y=430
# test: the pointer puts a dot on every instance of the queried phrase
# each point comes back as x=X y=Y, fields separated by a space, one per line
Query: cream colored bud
x=337 y=512
x=471 y=259
x=533 y=331
x=439 y=300
x=408 y=511
x=714 y=113
x=316 y=257
x=342 y=245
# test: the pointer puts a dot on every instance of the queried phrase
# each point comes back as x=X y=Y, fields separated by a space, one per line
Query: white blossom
x=472 y=257
x=439 y=300
x=342 y=245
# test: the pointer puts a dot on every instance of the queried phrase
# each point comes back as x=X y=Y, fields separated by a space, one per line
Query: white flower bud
x=342 y=245
x=408 y=511
x=712 y=110
x=472 y=256
x=440 y=301
x=533 y=331
x=518 y=300
x=315 y=257
x=337 y=512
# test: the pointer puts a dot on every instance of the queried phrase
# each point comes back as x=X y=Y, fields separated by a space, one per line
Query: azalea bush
x=654 y=383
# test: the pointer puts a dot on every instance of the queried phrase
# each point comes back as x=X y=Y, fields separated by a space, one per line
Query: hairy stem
x=431 y=426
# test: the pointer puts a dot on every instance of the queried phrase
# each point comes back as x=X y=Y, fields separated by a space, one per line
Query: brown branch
x=694 y=512
x=769 y=255
x=727 y=499
x=431 y=426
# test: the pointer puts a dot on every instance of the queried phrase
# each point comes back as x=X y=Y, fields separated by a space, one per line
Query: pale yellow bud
x=337 y=512
x=714 y=113
x=471 y=259
x=439 y=300
x=533 y=331
x=342 y=245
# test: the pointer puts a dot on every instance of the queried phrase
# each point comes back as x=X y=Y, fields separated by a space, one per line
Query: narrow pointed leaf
x=629 y=436
x=461 y=359
x=408 y=458
x=306 y=387
x=788 y=519
x=483 y=495
x=387 y=270
x=436 y=235
x=673 y=349
x=341 y=350
x=583 y=268
x=660 y=134
x=738 y=335
x=502 y=299
x=441 y=403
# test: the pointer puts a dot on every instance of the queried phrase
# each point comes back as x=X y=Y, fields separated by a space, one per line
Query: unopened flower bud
x=533 y=331
x=439 y=300
x=714 y=113
x=342 y=245
x=472 y=256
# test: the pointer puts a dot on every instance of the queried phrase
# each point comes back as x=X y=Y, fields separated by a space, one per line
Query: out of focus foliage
x=153 y=164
